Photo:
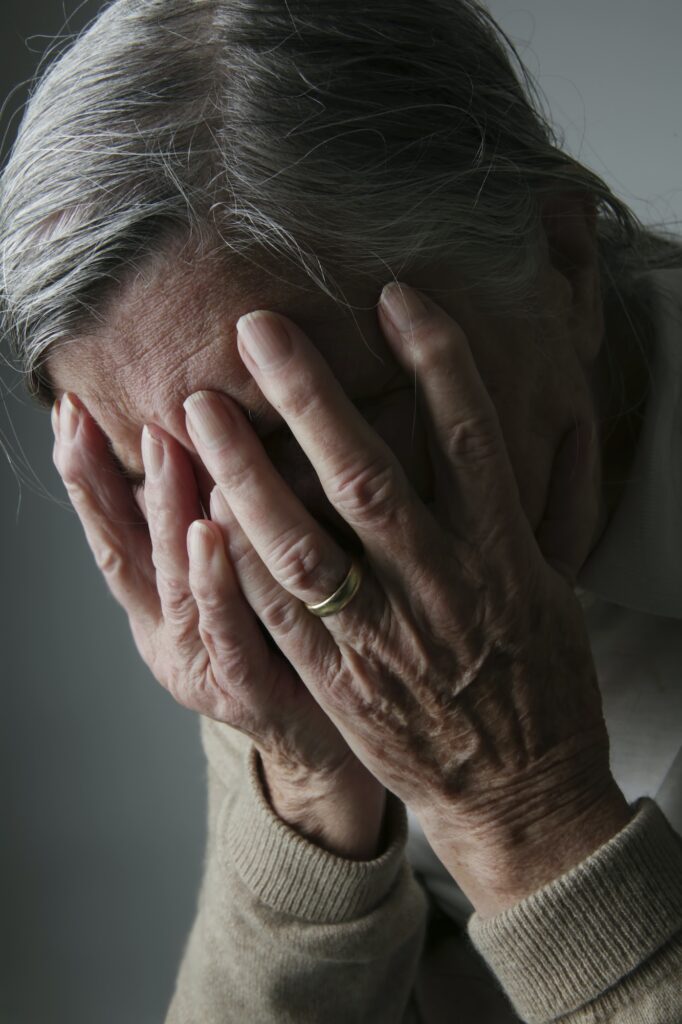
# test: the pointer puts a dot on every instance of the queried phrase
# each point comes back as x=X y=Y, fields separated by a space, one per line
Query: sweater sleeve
x=602 y=943
x=286 y=931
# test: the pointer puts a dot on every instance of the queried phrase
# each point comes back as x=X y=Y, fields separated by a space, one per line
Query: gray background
x=102 y=775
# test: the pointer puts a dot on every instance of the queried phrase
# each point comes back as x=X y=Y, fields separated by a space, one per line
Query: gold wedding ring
x=343 y=596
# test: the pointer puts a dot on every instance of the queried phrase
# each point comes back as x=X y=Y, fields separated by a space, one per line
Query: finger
x=476 y=481
x=240 y=666
x=103 y=500
x=294 y=547
x=358 y=471
x=301 y=649
x=301 y=637
x=172 y=504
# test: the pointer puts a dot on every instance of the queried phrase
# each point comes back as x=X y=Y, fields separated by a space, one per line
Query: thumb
x=567 y=527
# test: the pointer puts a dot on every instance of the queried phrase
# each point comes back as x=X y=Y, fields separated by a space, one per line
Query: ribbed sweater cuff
x=567 y=943
x=291 y=874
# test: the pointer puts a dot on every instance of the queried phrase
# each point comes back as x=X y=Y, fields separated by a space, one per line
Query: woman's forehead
x=170 y=330
x=159 y=329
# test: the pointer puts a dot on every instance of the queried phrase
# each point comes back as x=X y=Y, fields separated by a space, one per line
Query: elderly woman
x=367 y=397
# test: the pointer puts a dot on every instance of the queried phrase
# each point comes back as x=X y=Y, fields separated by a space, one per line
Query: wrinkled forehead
x=170 y=329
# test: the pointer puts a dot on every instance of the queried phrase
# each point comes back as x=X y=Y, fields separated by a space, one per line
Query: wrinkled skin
x=460 y=676
x=462 y=668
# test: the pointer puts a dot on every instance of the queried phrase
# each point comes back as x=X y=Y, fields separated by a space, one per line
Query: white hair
x=321 y=137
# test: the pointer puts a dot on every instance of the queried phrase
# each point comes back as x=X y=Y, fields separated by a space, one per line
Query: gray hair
x=321 y=138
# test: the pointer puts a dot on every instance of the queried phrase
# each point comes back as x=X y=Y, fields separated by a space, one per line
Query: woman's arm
x=461 y=675
x=286 y=931
x=601 y=942
x=282 y=923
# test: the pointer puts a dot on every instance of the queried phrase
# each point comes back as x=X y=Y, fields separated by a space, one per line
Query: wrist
x=341 y=811
x=498 y=867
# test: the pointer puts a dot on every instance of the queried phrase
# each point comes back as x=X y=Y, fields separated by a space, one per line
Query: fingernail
x=209 y=417
x=200 y=542
x=264 y=338
x=152 y=453
x=69 y=419
x=403 y=305
x=54 y=416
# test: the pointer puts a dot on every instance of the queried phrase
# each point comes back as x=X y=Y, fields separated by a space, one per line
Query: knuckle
x=474 y=441
x=297 y=560
x=110 y=561
x=241 y=553
x=279 y=614
x=211 y=604
x=67 y=467
x=163 y=521
x=70 y=464
x=229 y=659
x=370 y=491
x=230 y=663
x=78 y=493
x=207 y=597
x=178 y=605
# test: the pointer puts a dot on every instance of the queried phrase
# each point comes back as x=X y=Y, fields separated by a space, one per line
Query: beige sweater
x=287 y=933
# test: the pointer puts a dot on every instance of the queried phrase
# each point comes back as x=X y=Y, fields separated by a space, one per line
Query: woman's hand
x=198 y=635
x=461 y=672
